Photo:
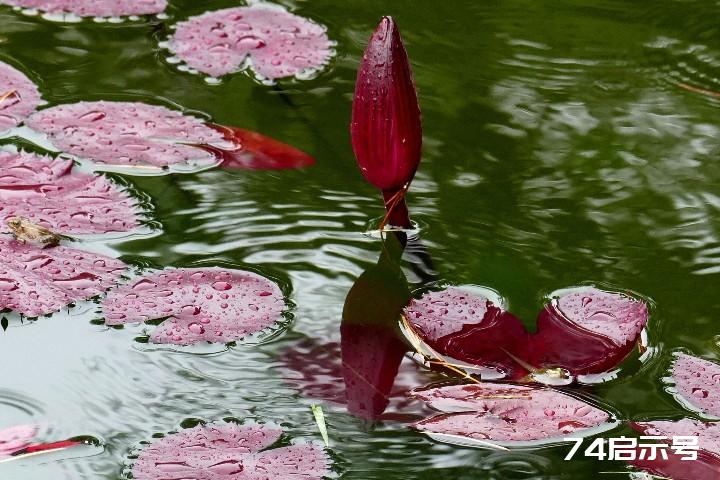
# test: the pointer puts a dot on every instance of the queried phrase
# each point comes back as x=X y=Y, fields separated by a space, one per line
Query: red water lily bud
x=386 y=129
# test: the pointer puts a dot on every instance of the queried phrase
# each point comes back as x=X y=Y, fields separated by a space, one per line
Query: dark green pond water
x=560 y=147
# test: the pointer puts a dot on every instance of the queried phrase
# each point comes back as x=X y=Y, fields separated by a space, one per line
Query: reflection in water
x=371 y=346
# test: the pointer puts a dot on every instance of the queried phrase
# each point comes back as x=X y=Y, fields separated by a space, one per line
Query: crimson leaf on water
x=583 y=331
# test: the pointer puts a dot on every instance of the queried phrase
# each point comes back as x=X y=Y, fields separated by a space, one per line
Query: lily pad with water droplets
x=581 y=331
x=705 y=467
x=52 y=193
x=229 y=451
x=201 y=304
x=147 y=138
x=36 y=281
x=19 y=96
x=507 y=415
x=697 y=384
x=93 y=8
x=271 y=41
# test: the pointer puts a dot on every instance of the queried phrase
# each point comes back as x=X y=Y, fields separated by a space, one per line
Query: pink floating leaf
x=200 y=304
x=254 y=151
x=15 y=439
x=707 y=465
x=93 y=8
x=19 y=96
x=35 y=281
x=584 y=331
x=52 y=193
x=272 y=41
x=128 y=134
x=508 y=415
x=697 y=384
x=224 y=451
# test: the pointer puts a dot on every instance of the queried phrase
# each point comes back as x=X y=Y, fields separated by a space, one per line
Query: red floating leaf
x=15 y=439
x=35 y=281
x=19 y=96
x=271 y=41
x=51 y=193
x=128 y=134
x=470 y=328
x=587 y=331
x=508 y=415
x=697 y=384
x=584 y=331
x=200 y=304
x=707 y=465
x=223 y=451
x=253 y=151
x=93 y=8
x=386 y=129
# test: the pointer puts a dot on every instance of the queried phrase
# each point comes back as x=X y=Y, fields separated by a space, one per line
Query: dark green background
x=559 y=149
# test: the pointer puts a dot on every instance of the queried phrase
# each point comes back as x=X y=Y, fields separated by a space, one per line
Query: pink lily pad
x=128 y=134
x=697 y=384
x=583 y=331
x=15 y=439
x=93 y=8
x=271 y=41
x=707 y=465
x=36 y=281
x=52 y=193
x=508 y=415
x=224 y=451
x=200 y=304
x=19 y=96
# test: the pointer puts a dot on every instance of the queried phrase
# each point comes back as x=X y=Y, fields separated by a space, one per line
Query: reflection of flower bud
x=386 y=129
